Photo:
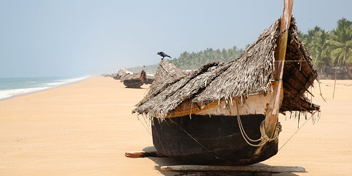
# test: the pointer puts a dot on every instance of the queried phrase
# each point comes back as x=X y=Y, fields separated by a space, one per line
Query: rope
x=199 y=142
x=144 y=125
x=321 y=94
x=156 y=131
x=264 y=138
x=295 y=132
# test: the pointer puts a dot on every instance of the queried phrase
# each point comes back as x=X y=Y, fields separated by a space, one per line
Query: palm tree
x=341 y=42
x=321 y=49
x=302 y=36
x=343 y=23
x=309 y=38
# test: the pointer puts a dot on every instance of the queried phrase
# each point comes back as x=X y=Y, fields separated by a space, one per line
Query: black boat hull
x=133 y=83
x=214 y=140
x=149 y=81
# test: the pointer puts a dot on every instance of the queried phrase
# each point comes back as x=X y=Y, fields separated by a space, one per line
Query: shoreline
x=44 y=89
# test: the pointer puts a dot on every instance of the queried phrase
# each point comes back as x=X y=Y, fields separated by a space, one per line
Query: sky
x=57 y=38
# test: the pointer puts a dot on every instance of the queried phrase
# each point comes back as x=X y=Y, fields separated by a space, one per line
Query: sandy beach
x=86 y=128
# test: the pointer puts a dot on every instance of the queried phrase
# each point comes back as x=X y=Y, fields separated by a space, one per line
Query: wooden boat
x=227 y=113
x=134 y=80
x=339 y=72
x=118 y=75
x=150 y=79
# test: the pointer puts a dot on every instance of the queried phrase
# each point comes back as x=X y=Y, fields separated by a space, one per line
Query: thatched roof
x=117 y=75
x=134 y=76
x=165 y=75
x=250 y=73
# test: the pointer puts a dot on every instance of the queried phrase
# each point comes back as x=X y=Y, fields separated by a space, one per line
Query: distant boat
x=134 y=80
x=150 y=79
x=339 y=72
x=115 y=76
x=227 y=113
x=118 y=75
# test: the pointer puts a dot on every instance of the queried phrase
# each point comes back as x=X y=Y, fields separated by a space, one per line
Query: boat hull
x=214 y=140
x=149 y=81
x=133 y=83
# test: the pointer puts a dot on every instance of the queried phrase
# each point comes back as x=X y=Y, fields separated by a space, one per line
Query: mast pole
x=272 y=114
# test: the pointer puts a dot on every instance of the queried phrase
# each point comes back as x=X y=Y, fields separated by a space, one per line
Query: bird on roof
x=162 y=54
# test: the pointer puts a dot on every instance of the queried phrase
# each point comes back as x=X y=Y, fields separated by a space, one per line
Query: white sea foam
x=66 y=81
x=15 y=92
x=4 y=94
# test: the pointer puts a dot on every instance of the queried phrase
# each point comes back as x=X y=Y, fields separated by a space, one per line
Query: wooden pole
x=333 y=94
x=141 y=154
x=280 y=53
x=272 y=114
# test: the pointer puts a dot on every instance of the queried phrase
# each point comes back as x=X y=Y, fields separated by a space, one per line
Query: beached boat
x=227 y=113
x=150 y=79
x=339 y=72
x=118 y=75
x=134 y=80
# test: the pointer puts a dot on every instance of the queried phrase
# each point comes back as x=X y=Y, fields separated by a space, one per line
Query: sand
x=85 y=129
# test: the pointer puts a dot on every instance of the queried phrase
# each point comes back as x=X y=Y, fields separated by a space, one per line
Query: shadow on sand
x=164 y=161
x=135 y=88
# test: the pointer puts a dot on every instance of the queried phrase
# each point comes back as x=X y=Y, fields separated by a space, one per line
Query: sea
x=11 y=87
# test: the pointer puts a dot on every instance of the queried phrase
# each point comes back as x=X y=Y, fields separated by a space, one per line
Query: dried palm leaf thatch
x=165 y=75
x=118 y=75
x=250 y=73
x=299 y=75
x=134 y=76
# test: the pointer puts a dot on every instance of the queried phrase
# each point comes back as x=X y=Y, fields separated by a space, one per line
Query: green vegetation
x=330 y=48
x=149 y=69
x=192 y=61
x=327 y=48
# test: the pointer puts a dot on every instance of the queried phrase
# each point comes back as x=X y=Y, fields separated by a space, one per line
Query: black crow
x=162 y=54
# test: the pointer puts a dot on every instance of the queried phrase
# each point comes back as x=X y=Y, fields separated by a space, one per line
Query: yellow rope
x=264 y=138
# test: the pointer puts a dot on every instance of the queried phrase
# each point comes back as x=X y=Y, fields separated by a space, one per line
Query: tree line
x=327 y=48
x=192 y=61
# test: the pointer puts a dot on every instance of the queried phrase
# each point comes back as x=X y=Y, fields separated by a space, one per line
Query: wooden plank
x=206 y=168
x=141 y=154
x=186 y=108
x=224 y=174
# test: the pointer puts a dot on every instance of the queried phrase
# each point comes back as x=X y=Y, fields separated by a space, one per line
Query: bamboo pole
x=280 y=53
x=333 y=94
x=272 y=114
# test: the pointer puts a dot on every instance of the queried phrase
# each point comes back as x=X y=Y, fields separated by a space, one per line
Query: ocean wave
x=15 y=92
x=66 y=81
x=43 y=85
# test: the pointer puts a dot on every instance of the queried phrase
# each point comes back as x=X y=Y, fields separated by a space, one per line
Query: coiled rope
x=264 y=138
